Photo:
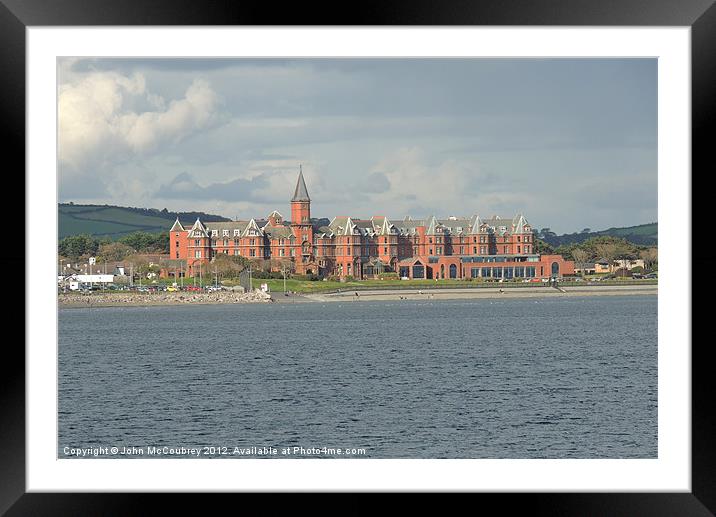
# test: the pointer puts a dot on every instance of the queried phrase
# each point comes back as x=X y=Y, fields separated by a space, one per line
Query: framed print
x=472 y=352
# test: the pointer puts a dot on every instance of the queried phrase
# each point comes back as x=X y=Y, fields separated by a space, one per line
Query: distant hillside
x=116 y=221
x=643 y=235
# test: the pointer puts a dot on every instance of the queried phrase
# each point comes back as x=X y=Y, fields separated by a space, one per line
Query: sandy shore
x=485 y=292
x=123 y=299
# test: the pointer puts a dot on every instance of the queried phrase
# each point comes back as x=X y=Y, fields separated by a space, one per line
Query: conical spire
x=301 y=193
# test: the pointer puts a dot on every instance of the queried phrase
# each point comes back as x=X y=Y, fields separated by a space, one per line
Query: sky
x=569 y=143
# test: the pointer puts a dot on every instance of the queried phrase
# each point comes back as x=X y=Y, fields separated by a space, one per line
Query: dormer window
x=226 y=233
x=214 y=233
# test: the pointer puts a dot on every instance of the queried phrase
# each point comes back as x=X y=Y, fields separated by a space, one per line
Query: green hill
x=116 y=221
x=643 y=235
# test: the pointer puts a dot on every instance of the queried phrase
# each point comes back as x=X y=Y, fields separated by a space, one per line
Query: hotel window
x=430 y=240
x=385 y=251
x=176 y=244
x=518 y=249
x=252 y=252
x=237 y=233
x=462 y=250
x=226 y=242
x=197 y=254
x=214 y=233
x=415 y=250
x=213 y=242
x=252 y=242
x=236 y=242
x=226 y=252
x=431 y=251
x=518 y=238
x=177 y=254
x=293 y=252
x=440 y=250
x=236 y=252
x=280 y=253
x=197 y=242
x=474 y=250
x=505 y=249
x=225 y=233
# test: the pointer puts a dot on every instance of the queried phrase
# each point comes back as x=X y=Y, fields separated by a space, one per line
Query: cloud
x=412 y=177
x=109 y=117
x=183 y=186
x=374 y=183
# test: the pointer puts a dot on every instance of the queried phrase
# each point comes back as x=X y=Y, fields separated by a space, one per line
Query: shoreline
x=485 y=293
x=66 y=300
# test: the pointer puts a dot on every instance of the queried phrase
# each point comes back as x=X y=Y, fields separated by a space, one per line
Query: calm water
x=530 y=378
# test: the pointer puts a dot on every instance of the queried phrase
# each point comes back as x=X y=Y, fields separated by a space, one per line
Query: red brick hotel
x=494 y=248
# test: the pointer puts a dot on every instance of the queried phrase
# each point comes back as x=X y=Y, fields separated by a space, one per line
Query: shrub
x=388 y=276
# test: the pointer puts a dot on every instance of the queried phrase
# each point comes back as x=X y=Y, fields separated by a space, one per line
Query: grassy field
x=304 y=286
x=106 y=221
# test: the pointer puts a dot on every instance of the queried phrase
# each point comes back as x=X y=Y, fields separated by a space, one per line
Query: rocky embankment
x=118 y=299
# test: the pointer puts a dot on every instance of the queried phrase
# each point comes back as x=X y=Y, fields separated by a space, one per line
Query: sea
x=523 y=378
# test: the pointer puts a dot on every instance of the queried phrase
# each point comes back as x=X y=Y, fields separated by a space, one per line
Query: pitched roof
x=278 y=232
x=177 y=227
x=301 y=193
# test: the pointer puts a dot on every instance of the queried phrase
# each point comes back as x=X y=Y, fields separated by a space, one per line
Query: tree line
x=76 y=247
x=610 y=249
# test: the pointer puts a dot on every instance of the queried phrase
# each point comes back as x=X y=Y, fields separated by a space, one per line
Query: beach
x=119 y=299
x=485 y=292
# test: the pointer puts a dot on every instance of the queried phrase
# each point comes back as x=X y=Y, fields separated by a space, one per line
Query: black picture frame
x=700 y=15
